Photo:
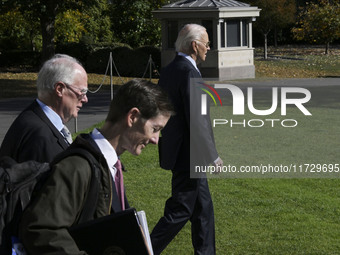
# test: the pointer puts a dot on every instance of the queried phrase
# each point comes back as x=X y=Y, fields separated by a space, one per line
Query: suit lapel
x=40 y=113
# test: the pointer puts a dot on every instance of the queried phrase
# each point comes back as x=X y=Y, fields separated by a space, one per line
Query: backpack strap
x=93 y=194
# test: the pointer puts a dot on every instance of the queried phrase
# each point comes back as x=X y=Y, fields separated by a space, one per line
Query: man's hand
x=218 y=164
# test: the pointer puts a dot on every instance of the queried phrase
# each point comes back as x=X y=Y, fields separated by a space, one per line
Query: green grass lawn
x=304 y=67
x=253 y=216
x=298 y=62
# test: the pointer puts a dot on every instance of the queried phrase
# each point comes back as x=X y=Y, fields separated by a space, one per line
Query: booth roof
x=206 y=4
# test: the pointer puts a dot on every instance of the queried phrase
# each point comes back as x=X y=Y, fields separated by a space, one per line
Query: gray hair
x=60 y=68
x=189 y=33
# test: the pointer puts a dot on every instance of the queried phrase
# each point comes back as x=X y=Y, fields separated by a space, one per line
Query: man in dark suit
x=39 y=132
x=190 y=198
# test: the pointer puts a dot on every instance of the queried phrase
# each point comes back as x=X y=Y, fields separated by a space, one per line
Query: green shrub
x=155 y=53
x=78 y=50
x=20 y=59
x=85 y=48
x=95 y=58
x=129 y=62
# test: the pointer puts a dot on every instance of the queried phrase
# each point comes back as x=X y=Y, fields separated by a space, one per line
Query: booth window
x=245 y=41
x=234 y=33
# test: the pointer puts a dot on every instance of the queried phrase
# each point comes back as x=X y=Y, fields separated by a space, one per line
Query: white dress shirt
x=51 y=115
x=107 y=150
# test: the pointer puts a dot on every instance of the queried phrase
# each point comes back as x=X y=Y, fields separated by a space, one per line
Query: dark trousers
x=190 y=200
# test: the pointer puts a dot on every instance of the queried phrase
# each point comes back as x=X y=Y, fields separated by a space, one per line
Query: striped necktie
x=66 y=133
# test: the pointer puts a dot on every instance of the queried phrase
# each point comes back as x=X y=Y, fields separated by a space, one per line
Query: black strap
x=88 y=210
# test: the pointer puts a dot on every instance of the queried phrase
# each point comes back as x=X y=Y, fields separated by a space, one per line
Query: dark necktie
x=119 y=182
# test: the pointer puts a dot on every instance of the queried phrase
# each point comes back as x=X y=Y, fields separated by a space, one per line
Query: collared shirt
x=192 y=61
x=107 y=150
x=51 y=115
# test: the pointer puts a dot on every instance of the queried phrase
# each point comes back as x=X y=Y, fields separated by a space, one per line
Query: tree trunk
x=327 y=48
x=47 y=31
x=265 y=51
x=47 y=22
x=275 y=37
x=32 y=41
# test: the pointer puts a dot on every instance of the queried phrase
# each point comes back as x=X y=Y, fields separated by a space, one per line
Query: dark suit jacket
x=175 y=141
x=32 y=136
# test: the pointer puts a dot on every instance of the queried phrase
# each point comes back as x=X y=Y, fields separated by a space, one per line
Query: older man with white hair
x=190 y=198
x=39 y=132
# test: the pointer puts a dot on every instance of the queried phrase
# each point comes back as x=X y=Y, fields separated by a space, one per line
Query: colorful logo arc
x=209 y=93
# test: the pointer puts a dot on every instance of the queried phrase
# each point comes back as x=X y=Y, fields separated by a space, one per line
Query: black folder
x=115 y=234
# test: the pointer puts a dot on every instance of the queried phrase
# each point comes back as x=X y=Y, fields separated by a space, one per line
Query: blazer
x=179 y=146
x=32 y=136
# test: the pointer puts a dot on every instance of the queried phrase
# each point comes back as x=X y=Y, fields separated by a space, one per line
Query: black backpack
x=19 y=182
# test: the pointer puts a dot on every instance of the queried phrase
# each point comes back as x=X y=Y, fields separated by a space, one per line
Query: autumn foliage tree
x=70 y=26
x=319 y=23
x=274 y=15
x=47 y=22
x=134 y=23
x=45 y=12
x=19 y=30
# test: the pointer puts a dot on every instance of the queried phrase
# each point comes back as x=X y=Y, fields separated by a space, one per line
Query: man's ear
x=132 y=116
x=194 y=46
x=58 y=88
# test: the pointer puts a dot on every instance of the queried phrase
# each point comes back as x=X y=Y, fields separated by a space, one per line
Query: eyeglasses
x=207 y=44
x=82 y=91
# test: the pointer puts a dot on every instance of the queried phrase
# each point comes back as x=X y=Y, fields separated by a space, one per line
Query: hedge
x=20 y=59
x=129 y=62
